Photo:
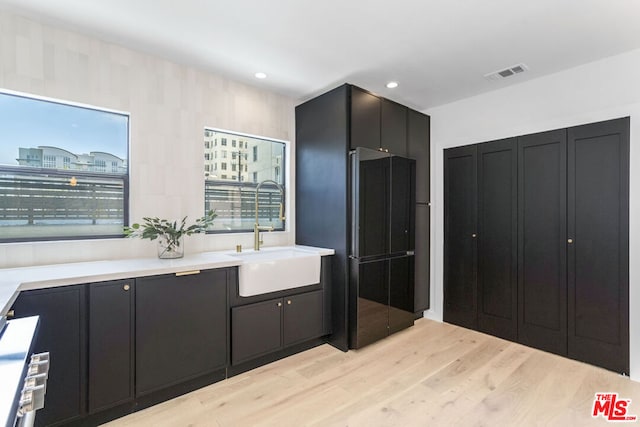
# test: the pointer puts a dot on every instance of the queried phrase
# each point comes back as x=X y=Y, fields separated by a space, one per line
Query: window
x=223 y=141
x=224 y=154
x=77 y=186
x=233 y=196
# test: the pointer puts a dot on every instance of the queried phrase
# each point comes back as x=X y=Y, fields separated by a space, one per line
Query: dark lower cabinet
x=111 y=332
x=497 y=238
x=542 y=241
x=256 y=329
x=181 y=328
x=460 y=231
x=264 y=327
x=62 y=333
x=598 y=254
x=302 y=318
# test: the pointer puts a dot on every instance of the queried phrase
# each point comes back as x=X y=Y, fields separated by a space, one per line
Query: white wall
x=170 y=105
x=601 y=90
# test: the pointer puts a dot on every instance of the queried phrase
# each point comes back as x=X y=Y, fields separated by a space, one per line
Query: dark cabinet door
x=256 y=329
x=497 y=238
x=110 y=344
x=460 y=215
x=422 y=258
x=401 y=291
x=542 y=241
x=302 y=319
x=181 y=328
x=598 y=222
x=365 y=119
x=370 y=315
x=402 y=206
x=418 y=149
x=393 y=128
x=61 y=332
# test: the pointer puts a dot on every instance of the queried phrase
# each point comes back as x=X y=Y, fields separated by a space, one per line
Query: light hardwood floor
x=432 y=374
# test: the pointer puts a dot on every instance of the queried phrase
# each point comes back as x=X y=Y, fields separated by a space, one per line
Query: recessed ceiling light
x=392 y=85
x=261 y=75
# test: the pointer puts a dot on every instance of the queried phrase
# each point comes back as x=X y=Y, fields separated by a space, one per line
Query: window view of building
x=63 y=170
x=253 y=160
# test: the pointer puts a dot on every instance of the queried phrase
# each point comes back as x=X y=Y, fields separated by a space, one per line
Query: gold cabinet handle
x=11 y=313
x=126 y=287
x=289 y=302
x=279 y=304
x=187 y=273
x=474 y=235
x=569 y=241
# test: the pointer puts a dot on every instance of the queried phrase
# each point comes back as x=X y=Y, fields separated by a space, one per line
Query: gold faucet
x=256 y=226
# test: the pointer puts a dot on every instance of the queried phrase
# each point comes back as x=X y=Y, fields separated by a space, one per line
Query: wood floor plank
x=430 y=374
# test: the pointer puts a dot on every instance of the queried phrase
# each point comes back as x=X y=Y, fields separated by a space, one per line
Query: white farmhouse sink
x=277 y=269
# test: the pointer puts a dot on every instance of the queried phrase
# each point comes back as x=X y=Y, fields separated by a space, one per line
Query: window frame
x=284 y=168
x=74 y=173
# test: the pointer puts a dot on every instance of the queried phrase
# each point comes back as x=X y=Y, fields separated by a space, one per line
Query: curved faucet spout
x=257 y=227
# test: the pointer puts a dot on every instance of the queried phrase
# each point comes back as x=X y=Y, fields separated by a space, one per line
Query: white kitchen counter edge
x=14 y=280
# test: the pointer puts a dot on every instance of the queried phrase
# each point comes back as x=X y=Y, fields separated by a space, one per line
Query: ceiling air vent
x=507 y=72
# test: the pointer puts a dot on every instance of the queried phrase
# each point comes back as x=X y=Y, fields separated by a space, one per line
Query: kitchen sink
x=276 y=269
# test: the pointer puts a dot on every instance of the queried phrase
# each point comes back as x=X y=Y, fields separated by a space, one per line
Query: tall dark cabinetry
x=327 y=128
x=552 y=211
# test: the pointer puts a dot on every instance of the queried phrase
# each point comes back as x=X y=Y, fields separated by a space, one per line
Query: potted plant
x=169 y=233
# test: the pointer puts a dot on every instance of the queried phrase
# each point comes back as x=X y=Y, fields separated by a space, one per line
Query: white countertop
x=14 y=280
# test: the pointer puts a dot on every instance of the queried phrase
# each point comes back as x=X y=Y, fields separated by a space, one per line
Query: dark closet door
x=598 y=221
x=497 y=238
x=542 y=241
x=460 y=249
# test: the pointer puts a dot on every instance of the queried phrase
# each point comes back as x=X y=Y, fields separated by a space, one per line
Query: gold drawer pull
x=187 y=273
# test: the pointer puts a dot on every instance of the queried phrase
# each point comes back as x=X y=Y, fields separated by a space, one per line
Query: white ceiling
x=438 y=50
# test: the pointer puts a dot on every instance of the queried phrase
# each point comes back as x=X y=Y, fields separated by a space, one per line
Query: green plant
x=170 y=231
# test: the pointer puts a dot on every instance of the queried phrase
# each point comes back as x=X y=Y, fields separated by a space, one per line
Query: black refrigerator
x=381 y=262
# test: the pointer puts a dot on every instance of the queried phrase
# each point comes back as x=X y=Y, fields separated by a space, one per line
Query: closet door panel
x=460 y=251
x=598 y=196
x=542 y=244
x=497 y=238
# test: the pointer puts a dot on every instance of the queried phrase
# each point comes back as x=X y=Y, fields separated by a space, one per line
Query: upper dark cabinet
x=393 y=129
x=418 y=149
x=378 y=123
x=365 y=119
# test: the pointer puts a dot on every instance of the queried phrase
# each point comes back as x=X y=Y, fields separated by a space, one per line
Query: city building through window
x=253 y=160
